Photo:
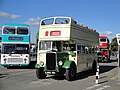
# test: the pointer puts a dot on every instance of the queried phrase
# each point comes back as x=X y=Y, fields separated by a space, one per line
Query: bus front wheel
x=71 y=72
x=40 y=73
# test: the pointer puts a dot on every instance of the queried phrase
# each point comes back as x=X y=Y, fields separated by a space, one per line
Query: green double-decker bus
x=65 y=48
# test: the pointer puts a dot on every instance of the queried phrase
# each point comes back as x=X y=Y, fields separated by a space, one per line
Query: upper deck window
x=62 y=21
x=9 y=30
x=22 y=30
x=47 y=21
x=102 y=39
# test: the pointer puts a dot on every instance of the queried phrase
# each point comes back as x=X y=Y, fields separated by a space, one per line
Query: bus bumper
x=9 y=65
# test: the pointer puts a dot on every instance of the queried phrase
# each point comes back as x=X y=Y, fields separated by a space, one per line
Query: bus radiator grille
x=15 y=60
x=50 y=61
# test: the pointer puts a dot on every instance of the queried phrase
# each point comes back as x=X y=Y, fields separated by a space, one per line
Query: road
x=25 y=79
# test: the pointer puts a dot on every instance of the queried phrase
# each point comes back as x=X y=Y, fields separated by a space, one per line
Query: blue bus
x=15 y=45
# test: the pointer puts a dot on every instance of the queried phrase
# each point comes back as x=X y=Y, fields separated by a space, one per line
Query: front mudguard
x=37 y=66
x=67 y=64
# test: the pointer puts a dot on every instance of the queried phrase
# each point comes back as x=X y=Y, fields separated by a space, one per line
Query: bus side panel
x=15 y=38
x=81 y=63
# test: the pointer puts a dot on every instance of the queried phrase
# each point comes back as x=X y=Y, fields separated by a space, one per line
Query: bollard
x=97 y=75
x=98 y=70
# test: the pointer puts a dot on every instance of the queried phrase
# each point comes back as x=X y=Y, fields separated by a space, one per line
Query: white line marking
x=118 y=83
x=91 y=87
x=103 y=87
x=95 y=86
x=114 y=77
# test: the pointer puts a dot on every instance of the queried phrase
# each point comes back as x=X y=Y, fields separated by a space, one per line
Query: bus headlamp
x=5 y=60
x=25 y=60
x=60 y=63
x=41 y=63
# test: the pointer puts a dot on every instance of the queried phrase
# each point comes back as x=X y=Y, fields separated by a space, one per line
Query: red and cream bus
x=104 y=49
x=65 y=48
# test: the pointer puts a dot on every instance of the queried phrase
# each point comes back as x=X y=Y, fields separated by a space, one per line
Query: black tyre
x=71 y=72
x=32 y=65
x=40 y=73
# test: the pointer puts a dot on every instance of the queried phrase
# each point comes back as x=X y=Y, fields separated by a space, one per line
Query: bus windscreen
x=22 y=30
x=103 y=40
x=62 y=21
x=9 y=30
x=47 y=21
x=15 y=49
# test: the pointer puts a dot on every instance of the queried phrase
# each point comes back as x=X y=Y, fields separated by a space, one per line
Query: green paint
x=73 y=54
x=37 y=66
x=62 y=56
x=67 y=64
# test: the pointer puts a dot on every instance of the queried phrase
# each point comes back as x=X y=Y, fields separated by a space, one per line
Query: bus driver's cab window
x=56 y=46
x=72 y=47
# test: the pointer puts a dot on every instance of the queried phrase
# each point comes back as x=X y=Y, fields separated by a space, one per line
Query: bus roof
x=102 y=36
x=57 y=17
x=71 y=31
x=19 y=25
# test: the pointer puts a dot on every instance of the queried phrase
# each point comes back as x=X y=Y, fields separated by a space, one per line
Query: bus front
x=104 y=49
x=54 y=46
x=15 y=45
x=103 y=42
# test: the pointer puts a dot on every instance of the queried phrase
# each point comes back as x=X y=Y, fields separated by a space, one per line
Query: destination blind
x=15 y=38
